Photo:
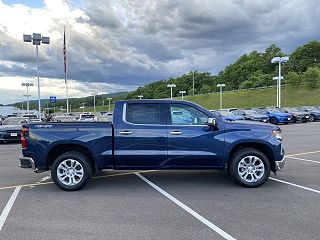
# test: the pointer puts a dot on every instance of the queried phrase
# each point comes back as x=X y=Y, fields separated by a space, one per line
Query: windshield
x=225 y=113
x=291 y=109
x=87 y=116
x=15 y=121
x=312 y=108
x=275 y=110
x=250 y=112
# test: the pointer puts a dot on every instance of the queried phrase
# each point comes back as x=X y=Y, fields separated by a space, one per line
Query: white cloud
x=120 y=44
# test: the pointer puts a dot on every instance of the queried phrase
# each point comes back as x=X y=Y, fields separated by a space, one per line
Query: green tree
x=293 y=78
x=205 y=89
x=312 y=77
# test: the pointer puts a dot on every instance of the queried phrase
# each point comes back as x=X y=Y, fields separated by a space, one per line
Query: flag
x=65 y=55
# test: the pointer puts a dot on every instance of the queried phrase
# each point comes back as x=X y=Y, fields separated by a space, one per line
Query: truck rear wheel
x=71 y=171
x=250 y=167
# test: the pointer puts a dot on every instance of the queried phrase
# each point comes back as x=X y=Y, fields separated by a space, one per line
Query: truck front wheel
x=249 y=167
x=71 y=171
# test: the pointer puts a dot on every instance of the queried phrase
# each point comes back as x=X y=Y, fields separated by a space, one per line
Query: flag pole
x=65 y=66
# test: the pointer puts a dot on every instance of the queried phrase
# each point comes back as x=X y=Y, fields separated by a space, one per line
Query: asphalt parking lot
x=167 y=204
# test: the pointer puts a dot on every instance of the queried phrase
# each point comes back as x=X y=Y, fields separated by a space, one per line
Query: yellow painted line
x=297 y=154
x=46 y=183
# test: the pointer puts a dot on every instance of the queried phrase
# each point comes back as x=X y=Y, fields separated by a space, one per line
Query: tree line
x=248 y=71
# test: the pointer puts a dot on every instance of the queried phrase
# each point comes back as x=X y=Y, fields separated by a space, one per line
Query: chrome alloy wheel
x=70 y=172
x=251 y=169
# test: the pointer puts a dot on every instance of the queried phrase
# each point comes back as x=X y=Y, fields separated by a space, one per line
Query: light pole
x=109 y=99
x=82 y=107
x=27 y=95
x=171 y=86
x=221 y=85
x=182 y=92
x=279 y=78
x=192 y=82
x=94 y=101
x=140 y=96
x=36 y=39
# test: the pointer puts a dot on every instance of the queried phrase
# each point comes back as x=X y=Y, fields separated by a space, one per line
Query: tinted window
x=143 y=113
x=186 y=115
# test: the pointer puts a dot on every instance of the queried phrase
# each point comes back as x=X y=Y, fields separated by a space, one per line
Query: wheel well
x=60 y=149
x=258 y=146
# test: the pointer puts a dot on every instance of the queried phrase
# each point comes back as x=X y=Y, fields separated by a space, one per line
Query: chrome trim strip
x=280 y=164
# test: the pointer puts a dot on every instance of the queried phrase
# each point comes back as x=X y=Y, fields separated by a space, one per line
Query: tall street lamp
x=279 y=60
x=182 y=92
x=36 y=39
x=171 y=86
x=140 y=96
x=27 y=95
x=221 y=85
x=109 y=99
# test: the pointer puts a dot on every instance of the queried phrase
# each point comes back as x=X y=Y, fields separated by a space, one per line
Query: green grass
x=299 y=96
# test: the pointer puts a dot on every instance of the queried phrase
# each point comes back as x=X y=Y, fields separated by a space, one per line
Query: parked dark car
x=275 y=116
x=297 y=115
x=10 y=128
x=252 y=115
x=314 y=113
x=226 y=115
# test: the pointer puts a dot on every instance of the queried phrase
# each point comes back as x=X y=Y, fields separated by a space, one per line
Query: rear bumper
x=27 y=162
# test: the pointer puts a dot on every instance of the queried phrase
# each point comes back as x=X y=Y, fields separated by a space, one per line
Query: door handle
x=125 y=132
x=176 y=133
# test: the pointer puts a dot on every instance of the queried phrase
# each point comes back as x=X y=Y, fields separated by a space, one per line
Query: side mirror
x=212 y=122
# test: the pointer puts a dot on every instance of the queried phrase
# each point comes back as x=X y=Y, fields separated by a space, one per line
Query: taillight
x=24 y=132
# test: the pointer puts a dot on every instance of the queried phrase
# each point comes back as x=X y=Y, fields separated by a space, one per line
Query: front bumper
x=280 y=164
x=27 y=162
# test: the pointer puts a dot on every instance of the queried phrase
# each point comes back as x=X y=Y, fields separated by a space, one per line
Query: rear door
x=141 y=136
x=191 y=142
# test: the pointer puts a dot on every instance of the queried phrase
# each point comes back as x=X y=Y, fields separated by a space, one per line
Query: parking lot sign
x=53 y=99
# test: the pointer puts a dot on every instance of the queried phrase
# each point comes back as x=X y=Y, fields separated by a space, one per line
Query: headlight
x=277 y=135
x=289 y=119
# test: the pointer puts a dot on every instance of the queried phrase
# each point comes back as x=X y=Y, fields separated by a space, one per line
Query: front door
x=191 y=142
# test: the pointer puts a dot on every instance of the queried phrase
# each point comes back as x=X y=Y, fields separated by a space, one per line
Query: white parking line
x=298 y=154
x=187 y=209
x=302 y=159
x=8 y=207
x=295 y=185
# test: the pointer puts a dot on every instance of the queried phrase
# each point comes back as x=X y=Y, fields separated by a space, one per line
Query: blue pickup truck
x=149 y=134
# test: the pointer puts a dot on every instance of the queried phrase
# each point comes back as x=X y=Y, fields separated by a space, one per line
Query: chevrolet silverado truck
x=149 y=134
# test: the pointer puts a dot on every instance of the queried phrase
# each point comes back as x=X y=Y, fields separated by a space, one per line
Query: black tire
x=81 y=164
x=312 y=118
x=274 y=121
x=244 y=155
x=294 y=120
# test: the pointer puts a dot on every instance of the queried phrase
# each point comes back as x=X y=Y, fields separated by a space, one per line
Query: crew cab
x=153 y=134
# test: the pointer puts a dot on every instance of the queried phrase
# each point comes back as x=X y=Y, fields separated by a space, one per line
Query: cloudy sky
x=118 y=45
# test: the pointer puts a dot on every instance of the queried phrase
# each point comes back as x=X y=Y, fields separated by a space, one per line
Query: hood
x=252 y=125
x=259 y=116
x=281 y=114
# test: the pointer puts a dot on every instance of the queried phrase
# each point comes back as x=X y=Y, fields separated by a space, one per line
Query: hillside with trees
x=249 y=71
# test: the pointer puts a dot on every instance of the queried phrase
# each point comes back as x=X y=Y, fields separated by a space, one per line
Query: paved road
x=124 y=206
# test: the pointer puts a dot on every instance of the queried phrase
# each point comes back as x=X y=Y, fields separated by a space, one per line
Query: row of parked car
x=273 y=115
x=10 y=127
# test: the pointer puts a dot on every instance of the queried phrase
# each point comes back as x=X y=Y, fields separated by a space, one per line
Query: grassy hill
x=301 y=96
x=291 y=97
